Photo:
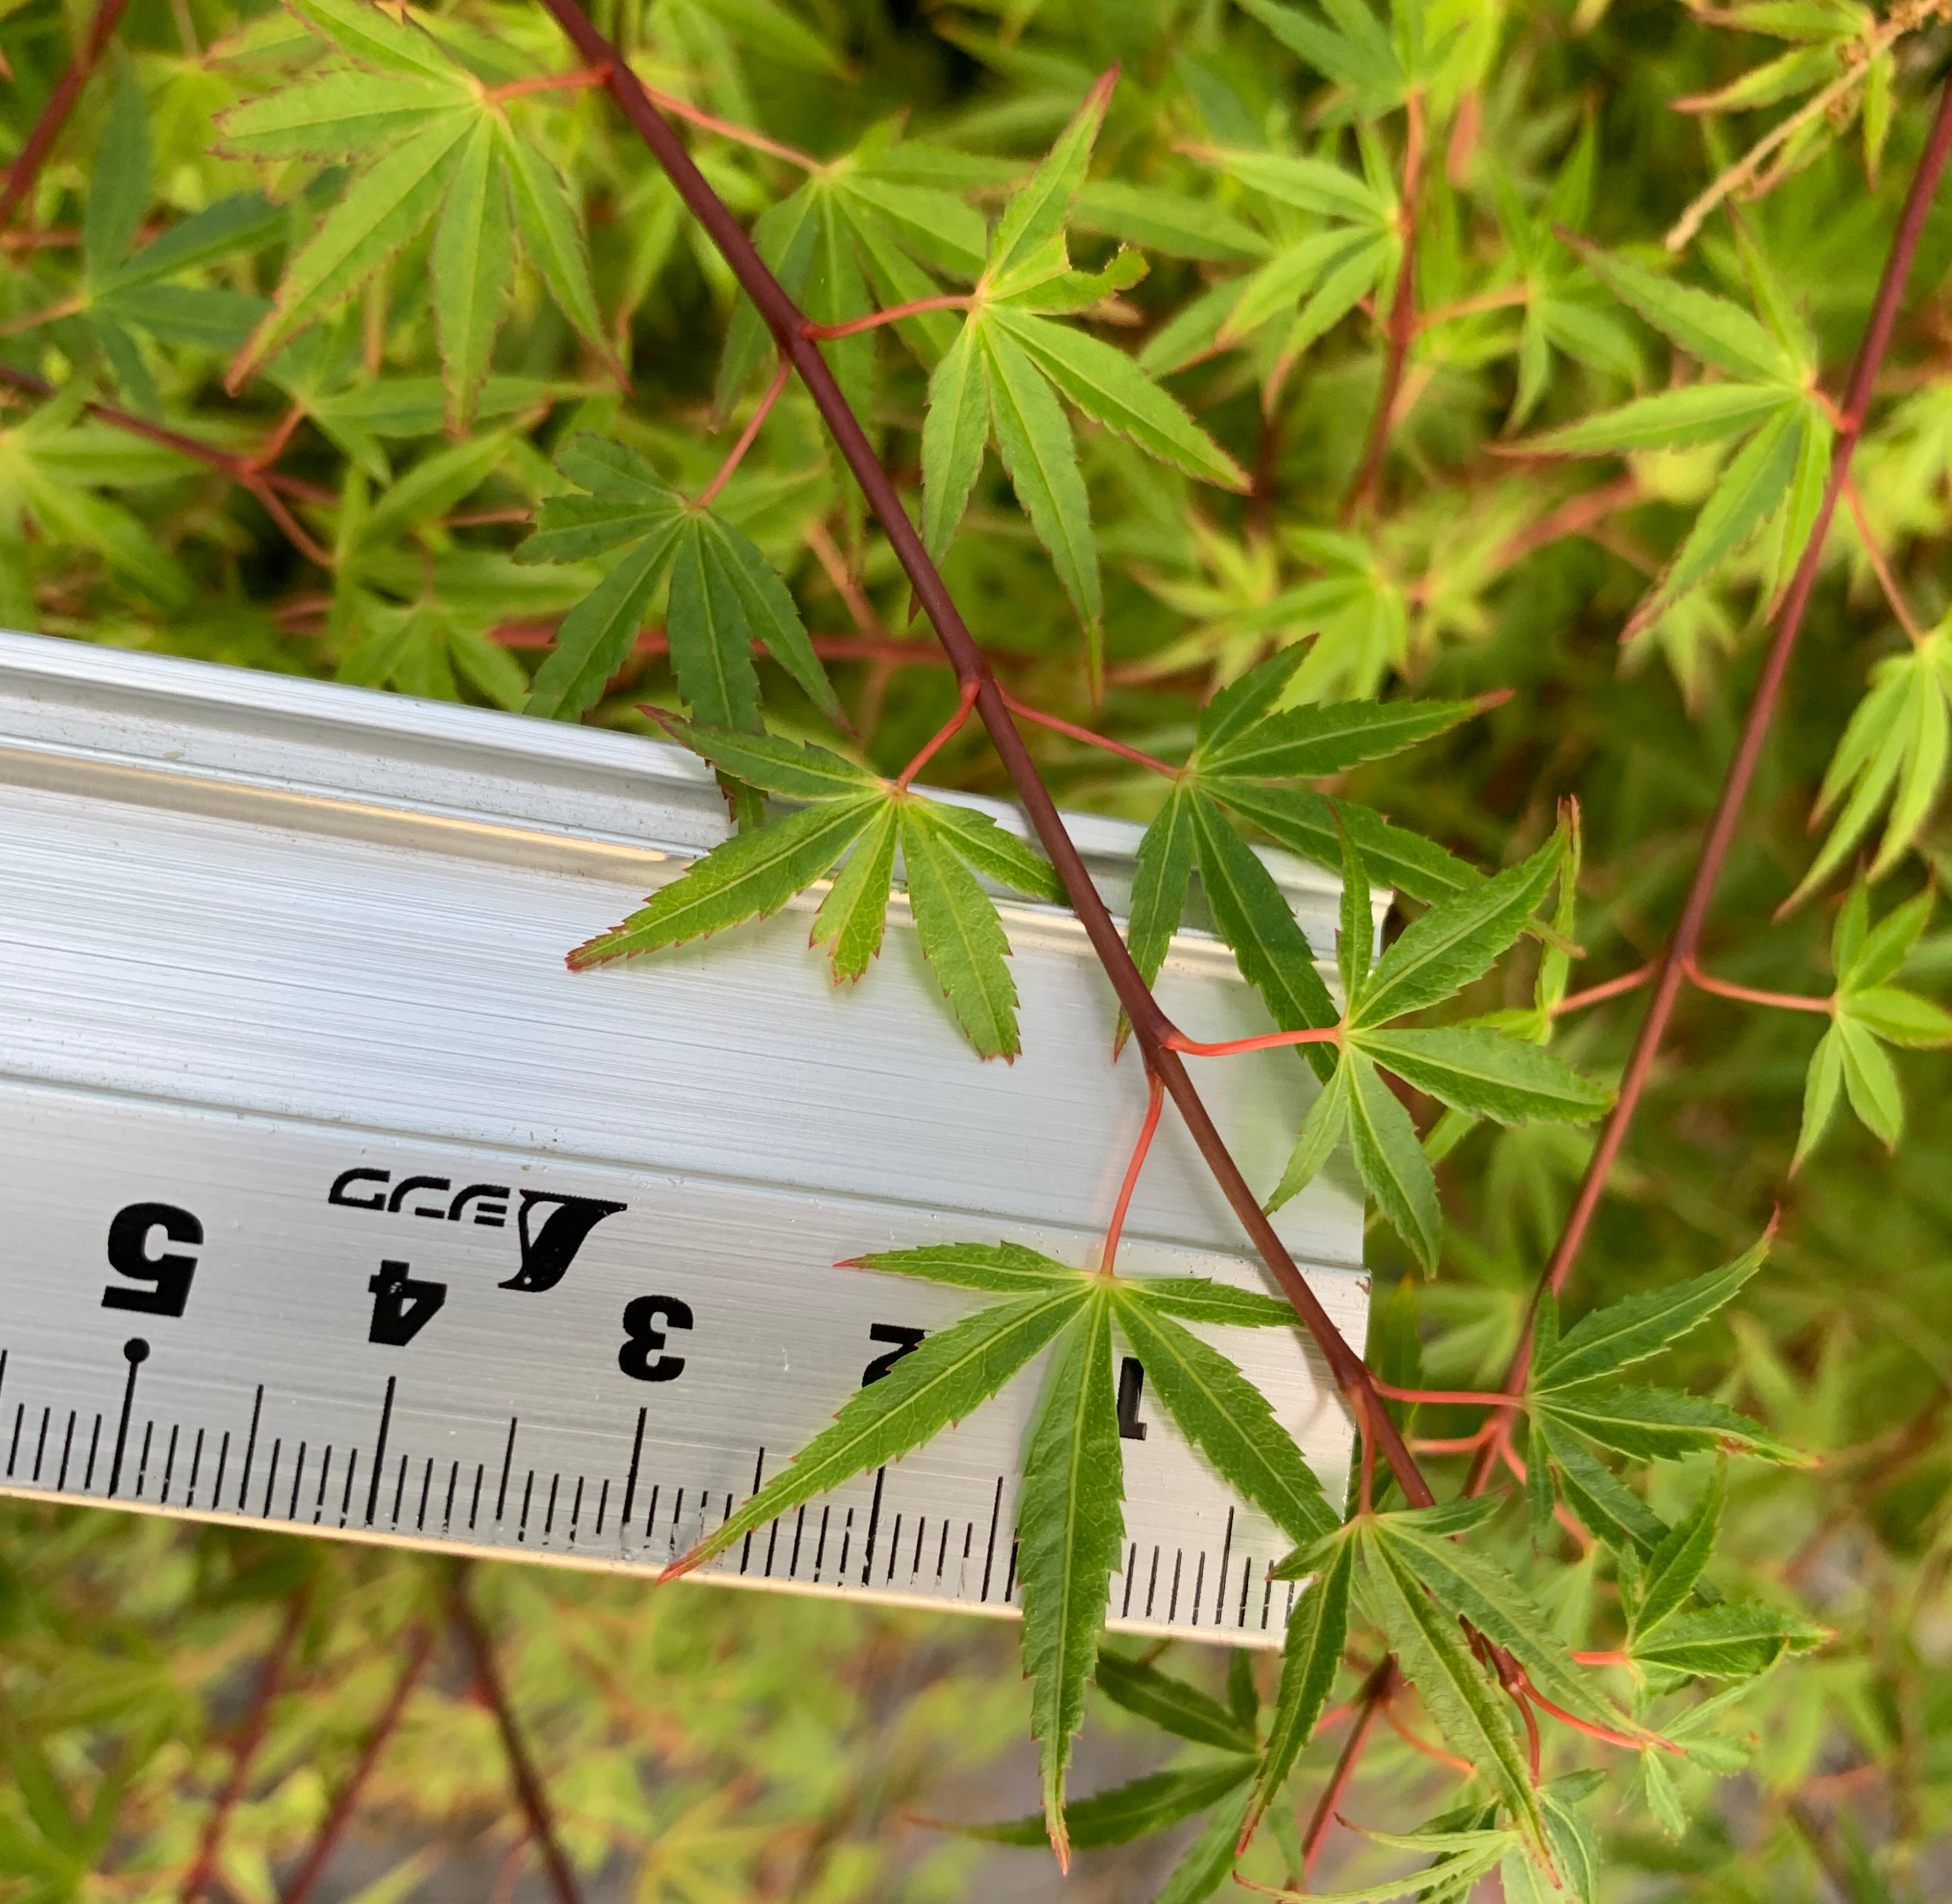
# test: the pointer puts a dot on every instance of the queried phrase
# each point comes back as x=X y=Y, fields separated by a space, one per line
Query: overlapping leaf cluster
x=405 y=273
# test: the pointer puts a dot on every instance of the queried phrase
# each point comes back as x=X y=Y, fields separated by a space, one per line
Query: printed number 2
x=403 y=1305
x=905 y=1340
x=644 y=1320
x=129 y=1237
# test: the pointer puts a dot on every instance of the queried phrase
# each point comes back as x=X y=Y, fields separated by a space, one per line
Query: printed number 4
x=403 y=1305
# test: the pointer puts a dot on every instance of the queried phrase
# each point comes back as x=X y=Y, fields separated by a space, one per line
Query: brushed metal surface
x=256 y=932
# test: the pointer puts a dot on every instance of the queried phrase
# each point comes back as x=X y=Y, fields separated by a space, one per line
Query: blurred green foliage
x=1590 y=494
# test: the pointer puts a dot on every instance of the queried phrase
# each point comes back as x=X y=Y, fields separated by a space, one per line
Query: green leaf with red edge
x=1224 y=1417
x=1305 y=822
x=853 y=915
x=1071 y=1529
x=945 y=1378
x=961 y=935
x=1391 y=1160
x=751 y=876
x=1171 y=1704
x=1039 y=212
x=1138 y=1809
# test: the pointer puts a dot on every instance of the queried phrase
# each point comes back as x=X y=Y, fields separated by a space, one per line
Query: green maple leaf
x=1012 y=369
x=853 y=815
x=1764 y=400
x=428 y=143
x=1070 y=1528
x=1867 y=1013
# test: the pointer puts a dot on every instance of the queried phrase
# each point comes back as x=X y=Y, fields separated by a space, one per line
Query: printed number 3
x=644 y=1320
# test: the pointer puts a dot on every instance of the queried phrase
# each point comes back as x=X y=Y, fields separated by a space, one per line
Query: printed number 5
x=129 y=1239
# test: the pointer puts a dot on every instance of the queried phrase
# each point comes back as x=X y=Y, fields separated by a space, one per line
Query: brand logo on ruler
x=550 y=1225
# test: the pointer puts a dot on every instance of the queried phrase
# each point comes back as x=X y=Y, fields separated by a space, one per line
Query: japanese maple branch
x=529 y=1789
x=1149 y=1024
x=1678 y=960
x=248 y=471
x=339 y=1815
x=27 y=163
x=1400 y=330
x=244 y=1754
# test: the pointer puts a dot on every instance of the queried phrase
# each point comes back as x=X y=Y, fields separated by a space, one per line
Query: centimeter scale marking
x=334 y=1202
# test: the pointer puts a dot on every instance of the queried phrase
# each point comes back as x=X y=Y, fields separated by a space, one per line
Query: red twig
x=1375 y=1693
x=1149 y=1024
x=1460 y=1398
x=529 y=1792
x=338 y=1815
x=1400 y=330
x=1687 y=938
x=940 y=737
x=1155 y=1104
x=577 y=82
x=1025 y=712
x=27 y=164
x=1749 y=995
x=710 y=493
x=264 y=484
x=1598 y=995
x=1229 y=1048
x=1880 y=567
x=947 y=301
x=250 y=1739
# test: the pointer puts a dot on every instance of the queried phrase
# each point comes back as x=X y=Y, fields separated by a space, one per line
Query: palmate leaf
x=723 y=595
x=1730 y=1641
x=945 y=1378
x=854 y=815
x=1486 y=1073
x=425 y=138
x=1657 y=1424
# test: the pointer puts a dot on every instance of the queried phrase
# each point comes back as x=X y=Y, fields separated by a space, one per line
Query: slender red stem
x=1598 y=995
x=529 y=1789
x=1605 y=1734
x=725 y=128
x=965 y=702
x=1748 y=752
x=587 y=77
x=1400 y=329
x=1024 y=712
x=1880 y=566
x=1155 y=1104
x=1785 y=1000
x=1375 y=1691
x=1149 y=1024
x=1461 y=1398
x=26 y=166
x=1454 y=1445
x=338 y=1815
x=244 y=1754
x=947 y=301
x=710 y=494
x=1397 y=1725
x=1229 y=1048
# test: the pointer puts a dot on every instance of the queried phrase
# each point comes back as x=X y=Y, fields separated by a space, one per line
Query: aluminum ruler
x=335 y=1202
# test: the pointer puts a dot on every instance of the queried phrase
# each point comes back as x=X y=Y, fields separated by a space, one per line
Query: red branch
x=345 y=1801
x=1400 y=331
x=244 y=1754
x=1374 y=1695
x=26 y=166
x=529 y=1790
x=1682 y=948
x=1149 y=1024
x=264 y=483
